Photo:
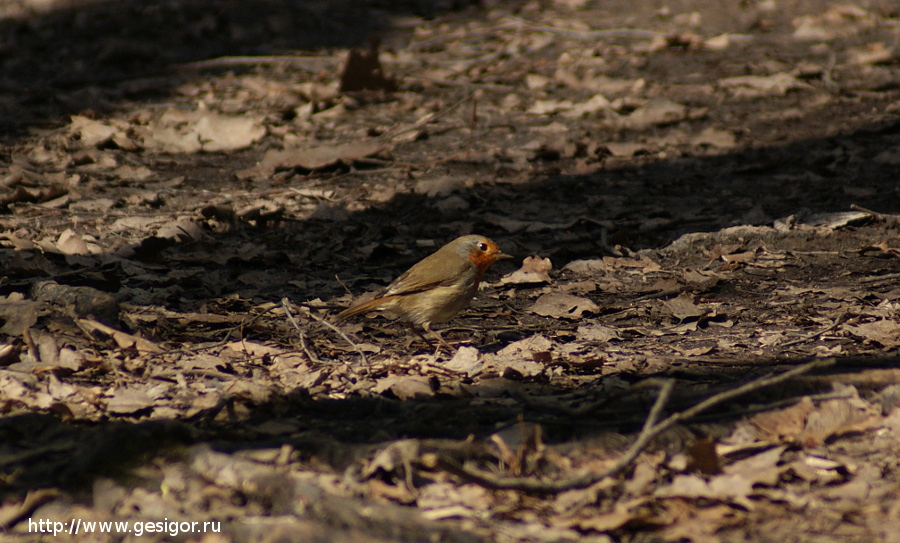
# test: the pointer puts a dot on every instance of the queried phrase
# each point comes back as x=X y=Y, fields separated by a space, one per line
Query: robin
x=437 y=287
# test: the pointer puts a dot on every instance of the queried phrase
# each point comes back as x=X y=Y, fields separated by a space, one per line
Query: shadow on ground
x=335 y=434
x=96 y=55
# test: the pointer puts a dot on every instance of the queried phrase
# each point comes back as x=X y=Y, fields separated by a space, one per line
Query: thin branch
x=286 y=305
x=312 y=64
x=463 y=84
x=340 y=282
x=891 y=218
x=592 y=35
x=649 y=432
x=428 y=119
x=338 y=331
x=535 y=485
x=837 y=322
x=886 y=278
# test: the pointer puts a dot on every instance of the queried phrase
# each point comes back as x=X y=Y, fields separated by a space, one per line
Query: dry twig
x=837 y=322
x=428 y=119
x=286 y=305
x=337 y=330
x=648 y=433
x=311 y=64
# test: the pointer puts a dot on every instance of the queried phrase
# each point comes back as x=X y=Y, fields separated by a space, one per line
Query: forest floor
x=695 y=342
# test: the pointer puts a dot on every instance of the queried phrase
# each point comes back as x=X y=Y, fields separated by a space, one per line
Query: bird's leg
x=419 y=333
x=427 y=327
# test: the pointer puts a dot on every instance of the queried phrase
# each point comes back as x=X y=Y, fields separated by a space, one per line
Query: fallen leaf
x=622 y=513
x=697 y=524
x=524 y=358
x=874 y=53
x=128 y=400
x=566 y=306
x=17 y=314
x=683 y=307
x=405 y=387
x=753 y=86
x=723 y=41
x=587 y=267
x=625 y=149
x=445 y=500
x=760 y=468
x=700 y=281
x=720 y=139
x=534 y=270
x=548 y=107
x=884 y=332
x=597 y=333
x=783 y=425
x=656 y=112
x=314 y=158
x=728 y=488
x=179 y=131
x=596 y=103
x=125 y=341
x=70 y=243
x=466 y=360
x=839 y=416
x=91 y=133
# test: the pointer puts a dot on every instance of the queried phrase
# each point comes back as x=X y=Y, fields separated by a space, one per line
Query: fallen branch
x=310 y=64
x=650 y=431
x=590 y=35
x=337 y=330
x=391 y=134
x=837 y=322
x=286 y=305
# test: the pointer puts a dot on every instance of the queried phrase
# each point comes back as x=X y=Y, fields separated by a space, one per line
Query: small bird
x=437 y=287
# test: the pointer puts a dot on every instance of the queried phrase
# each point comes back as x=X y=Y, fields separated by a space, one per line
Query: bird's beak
x=502 y=255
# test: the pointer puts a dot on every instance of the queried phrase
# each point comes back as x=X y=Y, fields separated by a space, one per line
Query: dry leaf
x=884 y=332
x=760 y=468
x=91 y=133
x=753 y=86
x=534 y=270
x=840 y=416
x=179 y=131
x=314 y=158
x=720 y=139
x=128 y=400
x=728 y=488
x=783 y=425
x=658 y=111
x=125 y=341
x=524 y=358
x=597 y=333
x=587 y=267
x=565 y=306
x=17 y=314
x=70 y=243
x=466 y=360
x=405 y=387
x=683 y=307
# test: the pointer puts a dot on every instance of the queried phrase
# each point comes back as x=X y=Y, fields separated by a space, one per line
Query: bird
x=436 y=288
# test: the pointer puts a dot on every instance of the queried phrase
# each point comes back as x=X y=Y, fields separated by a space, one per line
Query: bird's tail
x=358 y=309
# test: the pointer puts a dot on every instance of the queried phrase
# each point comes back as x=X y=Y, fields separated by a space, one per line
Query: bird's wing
x=427 y=274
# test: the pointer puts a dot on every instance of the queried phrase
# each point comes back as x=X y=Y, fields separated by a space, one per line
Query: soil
x=190 y=190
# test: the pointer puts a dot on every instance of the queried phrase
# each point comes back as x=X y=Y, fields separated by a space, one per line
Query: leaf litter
x=697 y=178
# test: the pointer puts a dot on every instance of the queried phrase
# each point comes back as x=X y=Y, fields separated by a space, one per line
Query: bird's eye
x=482 y=246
